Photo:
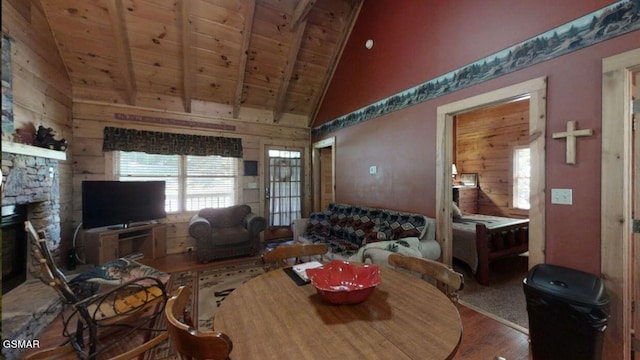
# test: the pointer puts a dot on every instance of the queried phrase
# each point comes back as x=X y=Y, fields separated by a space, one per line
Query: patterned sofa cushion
x=319 y=224
x=404 y=225
x=363 y=221
x=340 y=219
x=340 y=245
x=378 y=233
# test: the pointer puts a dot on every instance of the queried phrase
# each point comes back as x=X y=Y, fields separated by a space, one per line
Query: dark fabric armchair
x=226 y=232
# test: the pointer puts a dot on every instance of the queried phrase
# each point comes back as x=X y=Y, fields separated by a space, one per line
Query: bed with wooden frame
x=480 y=239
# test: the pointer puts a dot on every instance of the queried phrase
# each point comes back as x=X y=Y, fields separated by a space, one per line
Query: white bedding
x=464 y=235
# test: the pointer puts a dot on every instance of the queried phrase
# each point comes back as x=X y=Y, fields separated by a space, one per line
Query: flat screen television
x=120 y=204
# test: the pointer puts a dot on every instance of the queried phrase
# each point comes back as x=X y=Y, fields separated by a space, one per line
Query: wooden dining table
x=271 y=317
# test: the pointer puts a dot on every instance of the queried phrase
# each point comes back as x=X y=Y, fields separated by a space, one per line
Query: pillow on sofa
x=379 y=252
x=318 y=224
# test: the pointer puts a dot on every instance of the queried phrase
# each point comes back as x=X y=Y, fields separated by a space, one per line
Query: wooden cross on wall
x=571 y=134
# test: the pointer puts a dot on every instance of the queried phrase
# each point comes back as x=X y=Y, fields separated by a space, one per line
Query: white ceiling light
x=368 y=44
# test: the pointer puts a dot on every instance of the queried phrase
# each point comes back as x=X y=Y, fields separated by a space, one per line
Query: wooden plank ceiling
x=195 y=55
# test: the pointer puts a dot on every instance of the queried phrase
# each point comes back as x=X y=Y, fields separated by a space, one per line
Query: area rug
x=209 y=287
x=504 y=297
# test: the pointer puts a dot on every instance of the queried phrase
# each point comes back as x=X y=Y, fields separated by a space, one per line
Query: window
x=521 y=177
x=192 y=182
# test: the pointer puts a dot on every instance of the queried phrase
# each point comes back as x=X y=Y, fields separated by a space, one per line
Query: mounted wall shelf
x=22 y=149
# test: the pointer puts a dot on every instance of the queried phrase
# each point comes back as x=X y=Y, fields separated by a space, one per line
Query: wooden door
x=620 y=202
x=323 y=173
x=635 y=237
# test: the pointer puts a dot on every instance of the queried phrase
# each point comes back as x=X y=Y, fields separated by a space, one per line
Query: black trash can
x=568 y=312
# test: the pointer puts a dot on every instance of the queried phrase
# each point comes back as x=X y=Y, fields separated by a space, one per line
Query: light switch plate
x=373 y=169
x=562 y=196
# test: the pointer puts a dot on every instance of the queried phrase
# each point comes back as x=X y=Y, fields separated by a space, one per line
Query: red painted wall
x=416 y=41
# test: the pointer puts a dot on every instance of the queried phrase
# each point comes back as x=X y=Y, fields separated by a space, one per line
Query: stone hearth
x=26 y=311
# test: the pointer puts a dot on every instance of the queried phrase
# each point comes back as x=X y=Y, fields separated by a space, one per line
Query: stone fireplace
x=30 y=191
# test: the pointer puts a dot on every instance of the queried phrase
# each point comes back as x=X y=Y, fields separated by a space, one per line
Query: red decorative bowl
x=340 y=282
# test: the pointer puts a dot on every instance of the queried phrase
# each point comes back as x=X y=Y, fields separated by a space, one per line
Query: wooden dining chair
x=449 y=281
x=281 y=255
x=188 y=341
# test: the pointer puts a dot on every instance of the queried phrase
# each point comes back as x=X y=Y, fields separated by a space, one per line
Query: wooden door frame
x=303 y=147
x=536 y=89
x=616 y=205
x=315 y=171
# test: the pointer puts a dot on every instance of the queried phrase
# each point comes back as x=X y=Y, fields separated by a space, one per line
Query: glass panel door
x=283 y=192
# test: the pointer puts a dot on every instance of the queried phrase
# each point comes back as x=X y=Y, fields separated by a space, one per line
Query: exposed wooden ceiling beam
x=42 y=6
x=244 y=54
x=355 y=10
x=123 y=51
x=301 y=12
x=288 y=71
x=187 y=58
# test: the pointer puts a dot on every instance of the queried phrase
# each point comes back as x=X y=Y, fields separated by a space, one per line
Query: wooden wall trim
x=316 y=172
x=106 y=113
x=264 y=146
x=536 y=90
x=616 y=211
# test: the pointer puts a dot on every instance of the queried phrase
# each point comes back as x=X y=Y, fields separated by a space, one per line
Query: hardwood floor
x=486 y=338
x=483 y=338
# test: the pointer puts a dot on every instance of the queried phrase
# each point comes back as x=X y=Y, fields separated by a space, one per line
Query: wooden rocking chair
x=95 y=323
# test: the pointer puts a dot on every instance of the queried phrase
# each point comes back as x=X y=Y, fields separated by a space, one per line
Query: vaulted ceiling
x=194 y=55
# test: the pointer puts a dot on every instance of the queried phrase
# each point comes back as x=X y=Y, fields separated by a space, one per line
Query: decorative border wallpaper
x=604 y=24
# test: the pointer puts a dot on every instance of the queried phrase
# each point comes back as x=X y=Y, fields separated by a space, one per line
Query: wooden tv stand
x=104 y=244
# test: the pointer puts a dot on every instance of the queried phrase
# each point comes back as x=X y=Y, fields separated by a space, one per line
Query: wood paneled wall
x=41 y=89
x=43 y=96
x=90 y=163
x=484 y=141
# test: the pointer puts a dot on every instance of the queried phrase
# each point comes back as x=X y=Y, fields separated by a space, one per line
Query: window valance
x=154 y=142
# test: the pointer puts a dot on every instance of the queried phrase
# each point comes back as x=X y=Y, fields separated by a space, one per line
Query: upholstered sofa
x=368 y=235
x=226 y=232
